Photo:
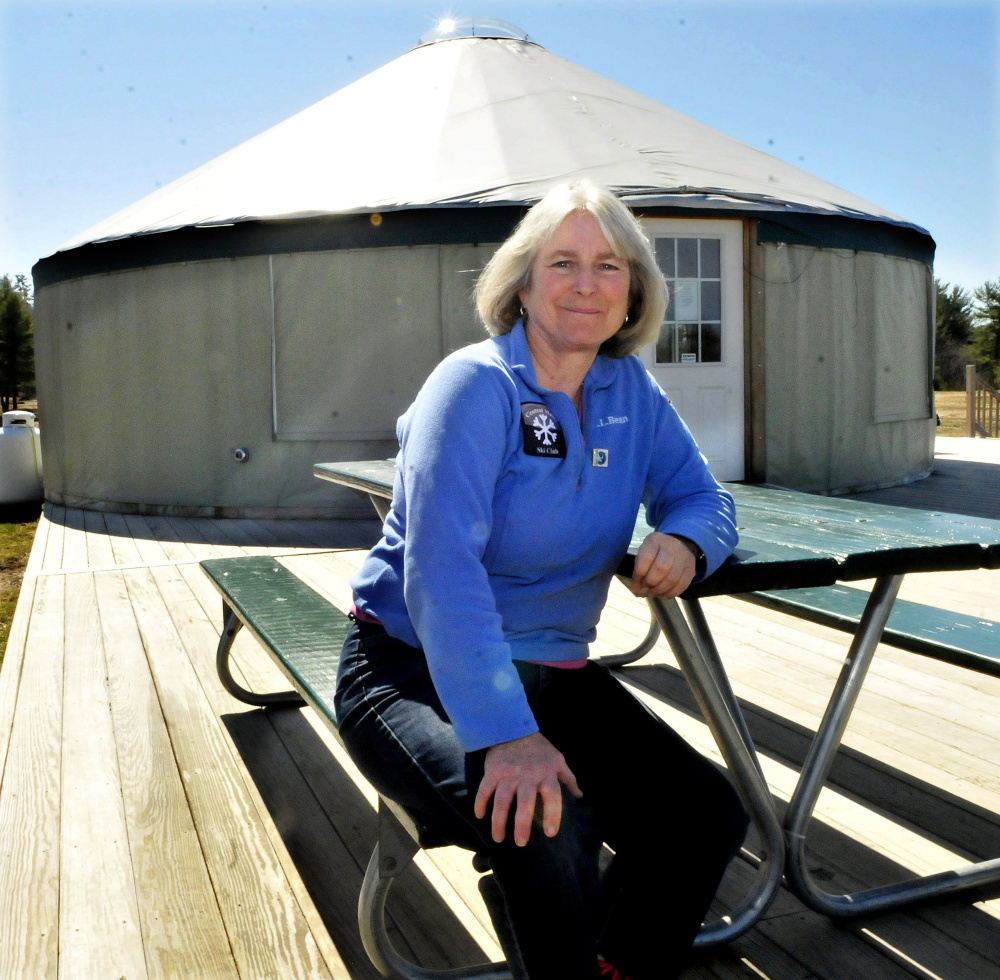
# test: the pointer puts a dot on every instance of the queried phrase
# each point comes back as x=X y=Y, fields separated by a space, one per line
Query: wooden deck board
x=173 y=546
x=770 y=665
x=99 y=550
x=234 y=839
x=52 y=555
x=193 y=535
x=38 y=546
x=151 y=550
x=17 y=638
x=75 y=554
x=181 y=925
x=12 y=663
x=98 y=916
x=266 y=929
x=29 y=798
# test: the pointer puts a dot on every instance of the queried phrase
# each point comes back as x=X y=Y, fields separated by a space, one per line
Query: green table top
x=795 y=540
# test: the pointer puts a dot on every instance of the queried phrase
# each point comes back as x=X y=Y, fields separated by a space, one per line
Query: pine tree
x=17 y=347
x=953 y=333
x=986 y=331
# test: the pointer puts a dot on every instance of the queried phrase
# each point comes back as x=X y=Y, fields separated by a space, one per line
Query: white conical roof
x=472 y=121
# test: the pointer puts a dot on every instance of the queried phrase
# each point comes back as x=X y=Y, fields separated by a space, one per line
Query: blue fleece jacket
x=508 y=521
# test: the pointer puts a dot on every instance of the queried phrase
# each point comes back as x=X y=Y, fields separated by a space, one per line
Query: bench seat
x=304 y=632
x=301 y=630
x=953 y=637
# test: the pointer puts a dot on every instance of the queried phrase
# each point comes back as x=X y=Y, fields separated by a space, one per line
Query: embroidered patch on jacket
x=543 y=435
x=600 y=457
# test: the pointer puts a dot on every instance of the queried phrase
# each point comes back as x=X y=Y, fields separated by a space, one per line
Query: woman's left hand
x=519 y=772
x=664 y=567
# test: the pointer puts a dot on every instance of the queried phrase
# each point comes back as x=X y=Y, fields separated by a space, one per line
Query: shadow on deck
x=956 y=485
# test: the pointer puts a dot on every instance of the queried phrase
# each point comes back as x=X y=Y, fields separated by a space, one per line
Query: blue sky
x=895 y=100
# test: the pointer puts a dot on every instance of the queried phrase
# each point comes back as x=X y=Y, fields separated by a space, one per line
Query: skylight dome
x=448 y=28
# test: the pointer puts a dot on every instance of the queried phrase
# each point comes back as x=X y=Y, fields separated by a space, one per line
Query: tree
x=23 y=288
x=953 y=333
x=985 y=345
x=17 y=344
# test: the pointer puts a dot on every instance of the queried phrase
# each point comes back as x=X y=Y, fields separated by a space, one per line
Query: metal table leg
x=715 y=698
x=397 y=844
x=699 y=626
x=637 y=653
x=231 y=625
x=381 y=505
x=817 y=766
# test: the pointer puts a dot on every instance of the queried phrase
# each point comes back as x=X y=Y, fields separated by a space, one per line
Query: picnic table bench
x=968 y=641
x=304 y=632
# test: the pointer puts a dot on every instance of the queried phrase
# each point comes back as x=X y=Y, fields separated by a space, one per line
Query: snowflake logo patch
x=543 y=435
x=545 y=429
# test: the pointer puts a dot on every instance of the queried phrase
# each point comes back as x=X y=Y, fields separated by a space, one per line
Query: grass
x=950 y=406
x=18 y=523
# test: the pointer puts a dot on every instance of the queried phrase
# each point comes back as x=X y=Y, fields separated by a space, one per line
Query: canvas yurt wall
x=848 y=345
x=155 y=377
x=290 y=297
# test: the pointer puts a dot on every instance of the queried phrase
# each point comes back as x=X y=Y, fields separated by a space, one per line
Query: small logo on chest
x=541 y=431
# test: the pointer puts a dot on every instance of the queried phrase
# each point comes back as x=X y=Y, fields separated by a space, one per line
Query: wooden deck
x=152 y=826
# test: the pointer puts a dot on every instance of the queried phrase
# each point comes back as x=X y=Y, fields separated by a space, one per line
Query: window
x=692 y=330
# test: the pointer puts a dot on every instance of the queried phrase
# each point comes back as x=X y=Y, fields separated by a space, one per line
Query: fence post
x=970 y=399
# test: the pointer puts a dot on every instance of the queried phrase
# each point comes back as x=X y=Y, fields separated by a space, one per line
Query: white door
x=698 y=359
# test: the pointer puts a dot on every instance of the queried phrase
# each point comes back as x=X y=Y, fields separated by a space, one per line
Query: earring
x=521 y=308
x=626 y=319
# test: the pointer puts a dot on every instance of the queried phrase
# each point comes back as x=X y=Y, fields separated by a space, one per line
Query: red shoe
x=609 y=970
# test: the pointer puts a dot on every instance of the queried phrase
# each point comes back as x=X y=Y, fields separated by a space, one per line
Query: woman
x=465 y=692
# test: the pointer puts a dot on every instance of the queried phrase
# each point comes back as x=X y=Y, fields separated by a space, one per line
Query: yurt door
x=698 y=359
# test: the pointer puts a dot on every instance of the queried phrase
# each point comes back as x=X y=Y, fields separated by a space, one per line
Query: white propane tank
x=20 y=459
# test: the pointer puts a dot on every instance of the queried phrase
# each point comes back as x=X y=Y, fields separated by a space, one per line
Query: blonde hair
x=509 y=270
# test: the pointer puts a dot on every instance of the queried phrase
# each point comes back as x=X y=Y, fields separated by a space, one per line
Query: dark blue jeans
x=669 y=814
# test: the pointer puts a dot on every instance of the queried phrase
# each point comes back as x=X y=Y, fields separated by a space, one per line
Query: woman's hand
x=664 y=566
x=524 y=768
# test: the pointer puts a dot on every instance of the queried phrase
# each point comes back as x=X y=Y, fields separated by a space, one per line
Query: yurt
x=281 y=305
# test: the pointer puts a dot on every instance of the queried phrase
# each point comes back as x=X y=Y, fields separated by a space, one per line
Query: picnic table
x=791 y=540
